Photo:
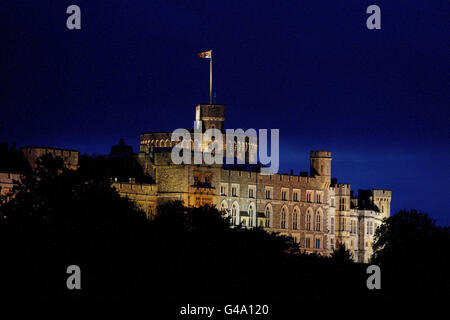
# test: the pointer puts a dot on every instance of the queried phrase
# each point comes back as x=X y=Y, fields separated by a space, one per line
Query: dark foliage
x=61 y=217
x=413 y=254
x=114 y=167
x=341 y=255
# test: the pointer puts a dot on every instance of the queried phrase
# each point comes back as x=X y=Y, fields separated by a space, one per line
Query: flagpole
x=210 y=79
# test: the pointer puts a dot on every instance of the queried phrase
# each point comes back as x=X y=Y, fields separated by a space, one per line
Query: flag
x=205 y=55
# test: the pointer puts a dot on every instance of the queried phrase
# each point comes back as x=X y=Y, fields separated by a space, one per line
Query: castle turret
x=321 y=165
x=382 y=199
x=211 y=116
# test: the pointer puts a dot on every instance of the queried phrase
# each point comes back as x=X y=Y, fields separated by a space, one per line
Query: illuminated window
x=283 y=219
x=268 y=215
x=235 y=190
x=342 y=224
x=234 y=210
x=251 y=191
x=296 y=195
x=308 y=221
x=342 y=204
x=308 y=243
x=269 y=193
x=332 y=226
x=317 y=243
x=295 y=219
x=251 y=214
x=319 y=197
x=284 y=195
x=318 y=221
x=309 y=196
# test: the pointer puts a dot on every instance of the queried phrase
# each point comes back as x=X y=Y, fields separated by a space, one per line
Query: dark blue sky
x=379 y=100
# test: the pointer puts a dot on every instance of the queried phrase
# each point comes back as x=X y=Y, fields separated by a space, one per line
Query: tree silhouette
x=59 y=217
x=341 y=255
x=413 y=254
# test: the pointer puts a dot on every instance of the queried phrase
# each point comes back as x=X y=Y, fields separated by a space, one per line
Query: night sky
x=379 y=100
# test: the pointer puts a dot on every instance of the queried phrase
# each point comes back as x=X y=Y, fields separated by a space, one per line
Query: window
x=235 y=190
x=318 y=221
x=308 y=221
x=296 y=195
x=284 y=195
x=342 y=224
x=234 y=210
x=319 y=197
x=332 y=245
x=223 y=206
x=295 y=219
x=317 y=243
x=351 y=226
x=370 y=227
x=332 y=226
x=342 y=204
x=223 y=189
x=308 y=243
x=251 y=214
x=283 y=219
x=268 y=215
x=251 y=191
x=269 y=193
x=309 y=196
x=332 y=202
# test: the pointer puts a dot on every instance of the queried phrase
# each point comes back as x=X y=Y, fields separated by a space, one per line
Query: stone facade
x=7 y=180
x=144 y=194
x=312 y=208
x=317 y=213
x=70 y=157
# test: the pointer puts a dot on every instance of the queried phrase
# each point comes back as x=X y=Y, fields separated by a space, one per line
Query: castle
x=311 y=208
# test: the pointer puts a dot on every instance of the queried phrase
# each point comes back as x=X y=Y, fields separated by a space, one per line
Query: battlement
x=342 y=186
x=69 y=156
x=382 y=193
x=211 y=116
x=320 y=154
x=144 y=188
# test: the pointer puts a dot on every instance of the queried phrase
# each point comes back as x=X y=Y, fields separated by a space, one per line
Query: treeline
x=60 y=218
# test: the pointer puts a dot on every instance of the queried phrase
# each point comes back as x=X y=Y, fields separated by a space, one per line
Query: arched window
x=295 y=216
x=283 y=218
x=318 y=221
x=234 y=210
x=308 y=220
x=268 y=215
x=332 y=226
x=224 y=206
x=251 y=214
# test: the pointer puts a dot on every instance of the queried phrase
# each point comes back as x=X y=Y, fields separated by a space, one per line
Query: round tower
x=321 y=165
